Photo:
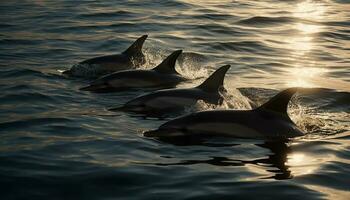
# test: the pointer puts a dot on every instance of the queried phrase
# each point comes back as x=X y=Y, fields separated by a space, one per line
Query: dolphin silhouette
x=162 y=76
x=99 y=66
x=269 y=121
x=162 y=102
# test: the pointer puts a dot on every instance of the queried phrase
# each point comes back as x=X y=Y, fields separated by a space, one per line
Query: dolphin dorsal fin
x=168 y=64
x=215 y=80
x=279 y=103
x=136 y=47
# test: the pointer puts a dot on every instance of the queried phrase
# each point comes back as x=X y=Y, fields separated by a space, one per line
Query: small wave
x=120 y=13
x=26 y=123
x=12 y=88
x=243 y=46
x=170 y=4
x=3 y=25
x=90 y=28
x=212 y=16
x=19 y=73
x=330 y=100
x=28 y=96
x=344 y=23
x=334 y=35
x=219 y=29
x=20 y=42
x=266 y=21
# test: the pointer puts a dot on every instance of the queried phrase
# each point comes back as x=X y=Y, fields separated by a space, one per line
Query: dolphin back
x=136 y=47
x=279 y=103
x=168 y=64
x=216 y=80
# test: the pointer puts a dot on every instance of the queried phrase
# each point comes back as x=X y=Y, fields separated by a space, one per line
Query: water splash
x=192 y=68
x=153 y=57
x=188 y=65
x=232 y=99
x=315 y=122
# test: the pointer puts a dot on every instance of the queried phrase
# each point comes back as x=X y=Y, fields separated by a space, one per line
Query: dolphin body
x=162 y=76
x=162 y=102
x=269 y=121
x=99 y=66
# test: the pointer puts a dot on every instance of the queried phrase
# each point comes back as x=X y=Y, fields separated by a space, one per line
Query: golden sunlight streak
x=308 y=28
x=295 y=159
x=306 y=10
x=310 y=10
x=300 y=45
x=300 y=164
x=304 y=76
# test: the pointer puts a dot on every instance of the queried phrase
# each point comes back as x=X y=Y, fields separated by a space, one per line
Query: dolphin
x=269 y=121
x=164 y=101
x=162 y=76
x=99 y=66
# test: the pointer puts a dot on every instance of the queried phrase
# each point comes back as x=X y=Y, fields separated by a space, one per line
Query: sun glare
x=300 y=45
x=310 y=10
x=308 y=28
x=305 y=73
x=304 y=76
x=295 y=159
x=300 y=164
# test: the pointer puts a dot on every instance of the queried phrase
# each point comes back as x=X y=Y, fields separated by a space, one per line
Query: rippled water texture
x=57 y=142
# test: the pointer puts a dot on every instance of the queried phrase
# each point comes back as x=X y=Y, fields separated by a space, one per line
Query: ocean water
x=57 y=142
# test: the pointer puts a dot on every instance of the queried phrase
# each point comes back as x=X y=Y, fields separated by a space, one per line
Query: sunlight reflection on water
x=270 y=45
x=305 y=72
x=301 y=164
x=304 y=76
x=310 y=10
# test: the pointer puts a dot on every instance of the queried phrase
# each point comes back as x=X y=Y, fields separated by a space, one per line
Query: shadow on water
x=274 y=162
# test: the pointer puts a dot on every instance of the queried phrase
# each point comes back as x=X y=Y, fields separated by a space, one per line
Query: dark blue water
x=57 y=142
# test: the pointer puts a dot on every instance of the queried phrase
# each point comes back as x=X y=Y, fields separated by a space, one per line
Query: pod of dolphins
x=120 y=72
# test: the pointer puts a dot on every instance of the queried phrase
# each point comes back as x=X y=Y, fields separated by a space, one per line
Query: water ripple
x=59 y=142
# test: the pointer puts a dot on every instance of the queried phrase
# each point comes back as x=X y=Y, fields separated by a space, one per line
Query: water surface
x=58 y=142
